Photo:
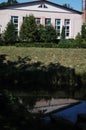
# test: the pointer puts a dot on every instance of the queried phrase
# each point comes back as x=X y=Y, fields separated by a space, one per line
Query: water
x=71 y=113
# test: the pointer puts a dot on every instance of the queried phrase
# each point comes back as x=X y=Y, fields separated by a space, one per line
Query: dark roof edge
x=70 y=9
x=31 y=2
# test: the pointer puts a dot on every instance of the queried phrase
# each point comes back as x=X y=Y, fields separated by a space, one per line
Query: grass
x=74 y=58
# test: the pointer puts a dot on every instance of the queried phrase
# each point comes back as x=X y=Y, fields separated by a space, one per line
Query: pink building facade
x=46 y=13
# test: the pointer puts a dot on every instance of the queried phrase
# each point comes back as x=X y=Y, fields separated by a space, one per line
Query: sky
x=75 y=4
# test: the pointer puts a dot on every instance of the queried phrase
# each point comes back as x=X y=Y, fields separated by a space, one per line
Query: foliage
x=63 y=33
x=65 y=43
x=30 y=32
x=83 y=31
x=28 y=29
x=13 y=114
x=10 y=34
x=36 y=76
x=78 y=38
x=67 y=6
x=49 y=35
x=71 y=43
x=80 y=42
x=81 y=38
x=37 y=44
x=9 y=2
x=1 y=41
x=21 y=73
x=40 y=33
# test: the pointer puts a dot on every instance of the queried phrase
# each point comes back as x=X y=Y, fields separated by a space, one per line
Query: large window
x=47 y=21
x=14 y=19
x=38 y=21
x=58 y=26
x=67 y=27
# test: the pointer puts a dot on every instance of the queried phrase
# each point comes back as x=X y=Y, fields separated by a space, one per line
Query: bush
x=50 y=34
x=66 y=43
x=83 y=31
x=78 y=38
x=1 y=41
x=63 y=33
x=71 y=44
x=28 y=29
x=40 y=32
x=10 y=34
x=44 y=45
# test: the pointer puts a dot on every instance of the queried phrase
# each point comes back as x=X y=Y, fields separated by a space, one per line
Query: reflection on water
x=71 y=113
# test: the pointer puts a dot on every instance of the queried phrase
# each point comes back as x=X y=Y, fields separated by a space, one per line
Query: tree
x=28 y=29
x=11 y=2
x=83 y=31
x=49 y=34
x=10 y=34
x=63 y=33
x=67 y=6
x=3 y=3
x=40 y=33
x=78 y=38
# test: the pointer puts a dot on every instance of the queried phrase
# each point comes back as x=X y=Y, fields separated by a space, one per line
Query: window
x=42 y=5
x=67 y=27
x=47 y=21
x=38 y=21
x=58 y=26
x=14 y=19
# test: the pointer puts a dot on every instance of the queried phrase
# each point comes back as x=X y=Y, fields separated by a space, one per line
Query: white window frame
x=58 y=26
x=67 y=27
x=14 y=19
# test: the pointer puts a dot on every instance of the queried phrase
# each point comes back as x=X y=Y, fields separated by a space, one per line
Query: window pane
x=67 y=27
x=58 y=26
x=37 y=20
x=48 y=21
x=14 y=19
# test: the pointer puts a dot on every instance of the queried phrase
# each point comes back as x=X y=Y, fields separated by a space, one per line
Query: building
x=84 y=11
x=46 y=13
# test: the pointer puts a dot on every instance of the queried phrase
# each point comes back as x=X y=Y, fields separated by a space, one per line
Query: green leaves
x=10 y=34
x=83 y=31
x=28 y=29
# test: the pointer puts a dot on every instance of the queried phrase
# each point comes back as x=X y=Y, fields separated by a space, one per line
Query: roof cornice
x=38 y=1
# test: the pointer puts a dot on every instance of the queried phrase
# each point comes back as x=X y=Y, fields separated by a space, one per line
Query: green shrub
x=66 y=43
x=44 y=45
x=10 y=34
x=40 y=33
x=63 y=33
x=1 y=41
x=83 y=31
x=48 y=34
x=28 y=29
x=71 y=44
x=78 y=38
